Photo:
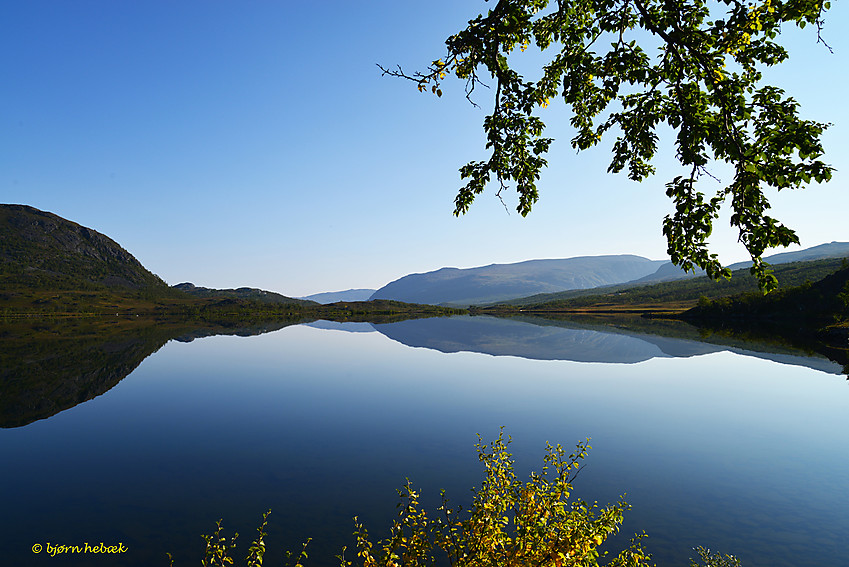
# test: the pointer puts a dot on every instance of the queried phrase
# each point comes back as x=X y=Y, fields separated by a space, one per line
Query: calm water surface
x=734 y=452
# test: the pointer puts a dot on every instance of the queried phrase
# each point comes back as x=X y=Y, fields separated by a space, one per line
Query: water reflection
x=45 y=369
x=620 y=340
x=734 y=452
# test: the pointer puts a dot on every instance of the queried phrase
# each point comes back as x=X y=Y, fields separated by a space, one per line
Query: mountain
x=248 y=293
x=829 y=250
x=670 y=271
x=669 y=296
x=42 y=250
x=498 y=282
x=347 y=295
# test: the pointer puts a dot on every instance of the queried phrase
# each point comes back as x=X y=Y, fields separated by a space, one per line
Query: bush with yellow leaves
x=510 y=522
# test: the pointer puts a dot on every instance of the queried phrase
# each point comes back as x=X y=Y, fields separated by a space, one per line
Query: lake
x=740 y=448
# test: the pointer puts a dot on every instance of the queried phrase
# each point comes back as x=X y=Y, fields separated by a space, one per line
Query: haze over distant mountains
x=670 y=271
x=334 y=296
x=502 y=282
x=497 y=282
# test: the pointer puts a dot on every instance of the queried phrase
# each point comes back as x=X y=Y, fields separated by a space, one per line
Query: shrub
x=714 y=559
x=219 y=550
x=510 y=523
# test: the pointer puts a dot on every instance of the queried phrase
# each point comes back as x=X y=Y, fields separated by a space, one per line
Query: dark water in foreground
x=717 y=448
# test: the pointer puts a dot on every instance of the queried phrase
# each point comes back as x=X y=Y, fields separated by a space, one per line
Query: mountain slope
x=668 y=273
x=828 y=250
x=497 y=282
x=823 y=302
x=676 y=294
x=42 y=250
x=347 y=295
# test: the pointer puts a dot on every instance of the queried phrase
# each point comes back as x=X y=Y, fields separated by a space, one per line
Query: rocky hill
x=245 y=293
x=42 y=250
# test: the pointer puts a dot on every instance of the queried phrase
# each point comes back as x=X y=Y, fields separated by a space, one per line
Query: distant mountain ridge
x=498 y=282
x=544 y=279
x=832 y=249
x=347 y=295
x=670 y=271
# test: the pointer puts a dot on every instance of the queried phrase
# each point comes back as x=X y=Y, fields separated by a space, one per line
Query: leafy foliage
x=820 y=303
x=714 y=559
x=510 y=522
x=705 y=82
x=219 y=550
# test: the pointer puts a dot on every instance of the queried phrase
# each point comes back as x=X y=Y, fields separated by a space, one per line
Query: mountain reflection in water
x=741 y=454
x=45 y=370
x=605 y=341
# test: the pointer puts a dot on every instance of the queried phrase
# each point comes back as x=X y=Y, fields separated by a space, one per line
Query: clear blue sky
x=255 y=143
